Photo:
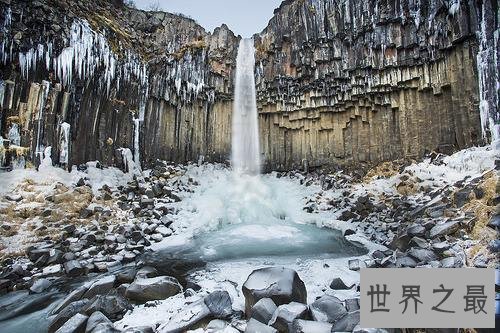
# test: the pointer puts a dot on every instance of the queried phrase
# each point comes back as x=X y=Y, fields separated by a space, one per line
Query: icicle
x=14 y=136
x=137 y=154
x=44 y=92
x=64 y=143
x=46 y=158
x=128 y=160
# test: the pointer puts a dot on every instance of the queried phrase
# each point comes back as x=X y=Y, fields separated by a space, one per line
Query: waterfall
x=245 y=133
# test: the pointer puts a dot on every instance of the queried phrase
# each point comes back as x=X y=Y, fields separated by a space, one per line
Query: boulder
x=338 y=283
x=184 y=320
x=281 y=284
x=95 y=319
x=285 y=314
x=443 y=229
x=65 y=314
x=40 y=285
x=309 y=326
x=75 y=295
x=73 y=268
x=100 y=287
x=75 y=324
x=347 y=323
x=416 y=230
x=219 y=303
x=263 y=310
x=112 y=307
x=422 y=255
x=327 y=309
x=147 y=272
x=149 y=289
x=126 y=276
x=354 y=264
x=255 y=326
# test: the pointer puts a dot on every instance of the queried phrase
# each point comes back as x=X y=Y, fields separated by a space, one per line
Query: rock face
x=148 y=82
x=365 y=81
x=338 y=82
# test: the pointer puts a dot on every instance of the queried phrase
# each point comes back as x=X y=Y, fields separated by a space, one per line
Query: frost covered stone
x=282 y=285
x=310 y=326
x=285 y=314
x=327 y=308
x=149 y=289
x=255 y=326
x=263 y=310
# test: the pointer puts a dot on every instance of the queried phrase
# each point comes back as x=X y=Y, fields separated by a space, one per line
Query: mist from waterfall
x=245 y=157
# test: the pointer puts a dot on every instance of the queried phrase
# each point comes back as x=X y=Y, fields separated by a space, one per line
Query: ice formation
x=64 y=142
x=14 y=136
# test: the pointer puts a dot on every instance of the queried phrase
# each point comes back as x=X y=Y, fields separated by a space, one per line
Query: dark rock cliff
x=344 y=81
x=339 y=81
x=115 y=77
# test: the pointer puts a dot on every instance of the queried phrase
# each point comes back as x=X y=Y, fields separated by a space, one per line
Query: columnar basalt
x=338 y=82
x=365 y=81
x=121 y=83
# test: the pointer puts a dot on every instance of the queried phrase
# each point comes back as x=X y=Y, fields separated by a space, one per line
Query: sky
x=244 y=17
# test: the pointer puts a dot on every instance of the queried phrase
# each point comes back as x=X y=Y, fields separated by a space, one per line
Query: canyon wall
x=338 y=82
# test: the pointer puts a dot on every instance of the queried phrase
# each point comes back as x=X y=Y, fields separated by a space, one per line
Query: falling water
x=245 y=137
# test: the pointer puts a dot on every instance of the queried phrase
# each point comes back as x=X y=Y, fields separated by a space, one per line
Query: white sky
x=244 y=17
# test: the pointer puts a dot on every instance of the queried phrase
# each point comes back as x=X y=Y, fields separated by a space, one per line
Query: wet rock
x=443 y=229
x=219 y=303
x=73 y=268
x=338 y=284
x=285 y=314
x=112 y=307
x=127 y=275
x=95 y=319
x=75 y=324
x=422 y=255
x=65 y=314
x=75 y=295
x=308 y=326
x=149 y=289
x=347 y=323
x=254 y=326
x=100 y=287
x=40 y=285
x=327 y=308
x=263 y=310
x=281 y=284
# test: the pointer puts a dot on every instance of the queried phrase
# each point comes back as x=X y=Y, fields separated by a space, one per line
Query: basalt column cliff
x=338 y=82
x=123 y=85
x=366 y=81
